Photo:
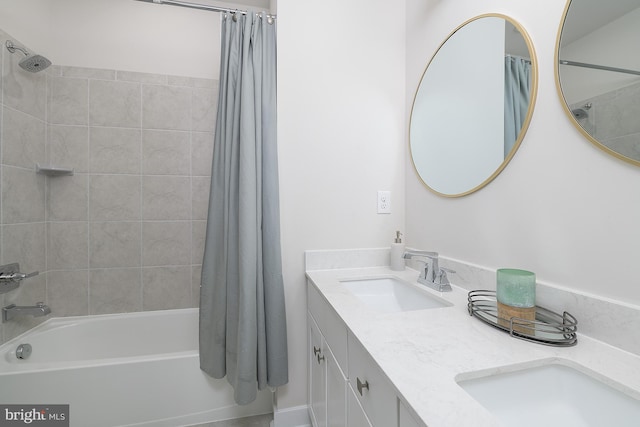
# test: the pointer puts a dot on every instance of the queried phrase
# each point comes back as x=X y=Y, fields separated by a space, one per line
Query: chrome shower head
x=31 y=63
x=580 y=113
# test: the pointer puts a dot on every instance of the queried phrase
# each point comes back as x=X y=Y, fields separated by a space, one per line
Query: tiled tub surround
x=423 y=352
x=125 y=232
x=608 y=119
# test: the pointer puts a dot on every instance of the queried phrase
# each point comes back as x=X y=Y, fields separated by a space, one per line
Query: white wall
x=562 y=208
x=341 y=125
x=612 y=45
x=118 y=34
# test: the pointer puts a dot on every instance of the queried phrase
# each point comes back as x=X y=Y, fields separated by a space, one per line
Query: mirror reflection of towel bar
x=599 y=67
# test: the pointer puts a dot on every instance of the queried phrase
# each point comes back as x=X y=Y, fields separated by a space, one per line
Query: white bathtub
x=137 y=369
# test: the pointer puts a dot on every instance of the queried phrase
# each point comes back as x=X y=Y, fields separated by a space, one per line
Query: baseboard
x=292 y=417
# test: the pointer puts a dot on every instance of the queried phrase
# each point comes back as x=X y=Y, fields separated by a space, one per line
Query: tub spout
x=11 y=311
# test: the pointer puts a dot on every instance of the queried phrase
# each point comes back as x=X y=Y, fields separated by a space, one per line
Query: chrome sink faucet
x=432 y=275
x=11 y=311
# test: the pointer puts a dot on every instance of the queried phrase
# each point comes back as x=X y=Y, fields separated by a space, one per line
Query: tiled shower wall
x=612 y=119
x=125 y=232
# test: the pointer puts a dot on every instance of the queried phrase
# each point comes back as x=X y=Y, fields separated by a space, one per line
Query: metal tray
x=549 y=328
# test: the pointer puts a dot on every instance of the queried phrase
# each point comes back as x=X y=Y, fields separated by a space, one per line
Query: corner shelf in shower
x=49 y=170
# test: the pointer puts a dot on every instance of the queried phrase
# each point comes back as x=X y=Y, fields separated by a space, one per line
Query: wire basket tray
x=549 y=328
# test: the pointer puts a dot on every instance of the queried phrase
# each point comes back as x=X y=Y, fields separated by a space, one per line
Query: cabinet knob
x=362 y=385
x=316 y=350
x=320 y=358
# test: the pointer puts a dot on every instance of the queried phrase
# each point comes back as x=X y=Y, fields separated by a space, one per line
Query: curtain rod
x=199 y=6
x=599 y=67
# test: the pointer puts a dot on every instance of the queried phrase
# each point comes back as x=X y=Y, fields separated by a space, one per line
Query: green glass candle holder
x=516 y=288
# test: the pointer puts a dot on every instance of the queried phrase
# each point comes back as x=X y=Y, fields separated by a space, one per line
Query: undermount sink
x=553 y=394
x=390 y=294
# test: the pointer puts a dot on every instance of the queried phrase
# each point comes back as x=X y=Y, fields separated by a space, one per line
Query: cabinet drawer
x=371 y=388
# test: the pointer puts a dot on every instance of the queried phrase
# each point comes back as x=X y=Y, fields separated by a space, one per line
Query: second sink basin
x=553 y=394
x=390 y=294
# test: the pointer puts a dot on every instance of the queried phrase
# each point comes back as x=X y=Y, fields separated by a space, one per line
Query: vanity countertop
x=423 y=352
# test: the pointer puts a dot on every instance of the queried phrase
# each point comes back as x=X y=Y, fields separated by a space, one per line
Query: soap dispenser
x=397 y=253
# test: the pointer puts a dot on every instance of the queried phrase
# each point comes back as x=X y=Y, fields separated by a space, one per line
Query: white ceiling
x=593 y=14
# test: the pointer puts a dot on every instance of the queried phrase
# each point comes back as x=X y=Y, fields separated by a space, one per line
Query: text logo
x=34 y=415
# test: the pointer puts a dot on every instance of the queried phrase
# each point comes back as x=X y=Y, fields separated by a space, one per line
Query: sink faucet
x=11 y=311
x=432 y=275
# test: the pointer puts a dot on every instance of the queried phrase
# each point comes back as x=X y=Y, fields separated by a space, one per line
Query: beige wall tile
x=166 y=107
x=67 y=245
x=23 y=195
x=114 y=198
x=23 y=139
x=204 y=109
x=165 y=152
x=199 y=235
x=196 y=277
x=69 y=147
x=201 y=153
x=166 y=243
x=68 y=198
x=114 y=244
x=68 y=101
x=166 y=198
x=166 y=288
x=113 y=103
x=25 y=244
x=200 y=197
x=115 y=290
x=114 y=150
x=68 y=292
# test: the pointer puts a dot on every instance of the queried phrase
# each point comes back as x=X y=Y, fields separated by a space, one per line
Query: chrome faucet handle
x=424 y=270
x=17 y=277
x=442 y=278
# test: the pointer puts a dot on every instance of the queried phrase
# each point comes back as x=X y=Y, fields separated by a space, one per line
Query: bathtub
x=136 y=369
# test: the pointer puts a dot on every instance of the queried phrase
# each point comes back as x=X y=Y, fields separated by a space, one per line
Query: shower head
x=580 y=113
x=30 y=62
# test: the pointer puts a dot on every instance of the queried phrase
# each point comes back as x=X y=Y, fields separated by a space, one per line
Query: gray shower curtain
x=517 y=92
x=242 y=314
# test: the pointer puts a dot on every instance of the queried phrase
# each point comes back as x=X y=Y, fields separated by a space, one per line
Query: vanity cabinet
x=327 y=380
x=346 y=386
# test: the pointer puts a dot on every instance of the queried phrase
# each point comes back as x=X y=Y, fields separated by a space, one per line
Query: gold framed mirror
x=598 y=74
x=473 y=105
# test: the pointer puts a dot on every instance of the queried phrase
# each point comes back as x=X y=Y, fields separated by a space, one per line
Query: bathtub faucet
x=11 y=311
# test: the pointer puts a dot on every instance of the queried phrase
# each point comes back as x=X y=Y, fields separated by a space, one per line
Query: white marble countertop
x=423 y=352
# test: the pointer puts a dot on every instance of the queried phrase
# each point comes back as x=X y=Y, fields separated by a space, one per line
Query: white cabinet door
x=317 y=377
x=336 y=392
x=372 y=389
x=355 y=414
x=404 y=417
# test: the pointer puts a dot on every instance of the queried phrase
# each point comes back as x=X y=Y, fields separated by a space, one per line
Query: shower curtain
x=242 y=314
x=517 y=92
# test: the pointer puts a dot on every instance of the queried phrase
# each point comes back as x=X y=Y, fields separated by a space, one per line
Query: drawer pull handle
x=320 y=358
x=316 y=350
x=362 y=385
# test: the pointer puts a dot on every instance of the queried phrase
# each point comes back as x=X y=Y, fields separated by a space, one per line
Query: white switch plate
x=384 y=202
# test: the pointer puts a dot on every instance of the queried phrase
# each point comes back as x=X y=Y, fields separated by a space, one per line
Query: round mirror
x=473 y=105
x=598 y=73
